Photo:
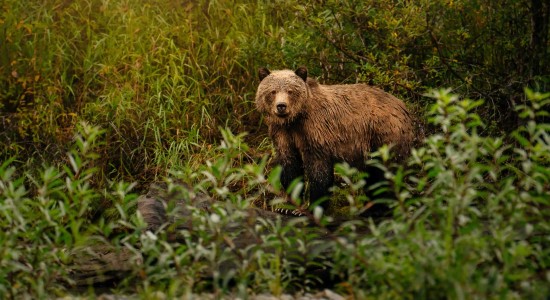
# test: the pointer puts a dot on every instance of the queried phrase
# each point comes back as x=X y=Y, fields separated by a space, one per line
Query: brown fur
x=320 y=125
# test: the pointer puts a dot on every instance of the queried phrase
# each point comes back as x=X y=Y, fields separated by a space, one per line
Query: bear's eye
x=290 y=93
x=273 y=92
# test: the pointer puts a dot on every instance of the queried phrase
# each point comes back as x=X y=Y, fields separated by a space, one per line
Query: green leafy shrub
x=474 y=220
x=45 y=215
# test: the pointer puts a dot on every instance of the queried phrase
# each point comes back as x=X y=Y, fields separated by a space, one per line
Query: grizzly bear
x=314 y=126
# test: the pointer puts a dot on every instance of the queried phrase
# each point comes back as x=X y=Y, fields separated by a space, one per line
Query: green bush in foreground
x=470 y=221
x=479 y=227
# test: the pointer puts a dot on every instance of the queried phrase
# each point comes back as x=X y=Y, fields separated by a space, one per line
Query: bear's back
x=341 y=116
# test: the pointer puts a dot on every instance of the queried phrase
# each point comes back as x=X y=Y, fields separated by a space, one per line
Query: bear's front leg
x=292 y=165
x=320 y=174
x=287 y=156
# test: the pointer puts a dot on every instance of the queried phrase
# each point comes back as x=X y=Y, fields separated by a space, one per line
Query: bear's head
x=282 y=94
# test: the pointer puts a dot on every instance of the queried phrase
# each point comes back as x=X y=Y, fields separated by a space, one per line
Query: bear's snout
x=281 y=108
x=281 y=104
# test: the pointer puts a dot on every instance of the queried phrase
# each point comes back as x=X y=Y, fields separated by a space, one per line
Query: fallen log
x=169 y=210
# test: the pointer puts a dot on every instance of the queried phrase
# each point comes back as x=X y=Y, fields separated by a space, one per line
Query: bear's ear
x=263 y=73
x=302 y=73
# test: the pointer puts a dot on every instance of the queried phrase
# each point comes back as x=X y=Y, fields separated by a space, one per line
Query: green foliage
x=479 y=226
x=44 y=217
x=159 y=77
x=483 y=49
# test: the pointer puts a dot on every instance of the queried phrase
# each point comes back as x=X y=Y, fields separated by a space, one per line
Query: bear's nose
x=281 y=108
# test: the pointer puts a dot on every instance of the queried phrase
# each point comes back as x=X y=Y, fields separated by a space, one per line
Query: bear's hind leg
x=375 y=193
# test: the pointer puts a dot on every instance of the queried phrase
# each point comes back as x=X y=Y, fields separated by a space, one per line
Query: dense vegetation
x=100 y=98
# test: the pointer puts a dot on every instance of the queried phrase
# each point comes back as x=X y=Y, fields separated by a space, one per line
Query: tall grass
x=159 y=76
